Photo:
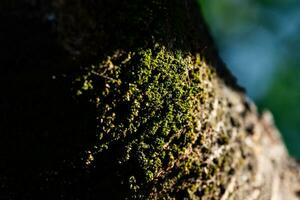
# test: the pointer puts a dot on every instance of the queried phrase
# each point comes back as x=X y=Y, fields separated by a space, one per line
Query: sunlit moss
x=148 y=104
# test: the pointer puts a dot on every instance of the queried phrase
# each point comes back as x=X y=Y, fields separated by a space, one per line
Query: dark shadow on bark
x=42 y=128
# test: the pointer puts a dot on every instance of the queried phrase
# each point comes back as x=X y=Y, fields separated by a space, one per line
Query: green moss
x=147 y=103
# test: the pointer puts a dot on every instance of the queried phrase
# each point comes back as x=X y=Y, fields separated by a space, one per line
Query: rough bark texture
x=128 y=100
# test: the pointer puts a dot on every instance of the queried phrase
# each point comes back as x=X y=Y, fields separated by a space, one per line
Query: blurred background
x=259 y=40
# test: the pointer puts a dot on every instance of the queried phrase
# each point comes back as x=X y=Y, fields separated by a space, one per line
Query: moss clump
x=146 y=103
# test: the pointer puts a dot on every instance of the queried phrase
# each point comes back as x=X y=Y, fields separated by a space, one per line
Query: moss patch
x=147 y=103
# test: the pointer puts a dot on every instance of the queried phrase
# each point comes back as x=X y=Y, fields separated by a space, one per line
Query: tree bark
x=129 y=100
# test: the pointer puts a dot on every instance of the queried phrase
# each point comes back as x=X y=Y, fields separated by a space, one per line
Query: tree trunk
x=129 y=100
